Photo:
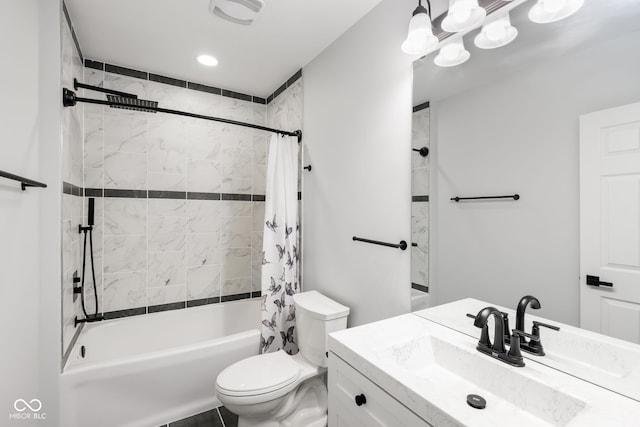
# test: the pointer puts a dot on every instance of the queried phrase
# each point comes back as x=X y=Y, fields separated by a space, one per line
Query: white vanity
x=413 y=371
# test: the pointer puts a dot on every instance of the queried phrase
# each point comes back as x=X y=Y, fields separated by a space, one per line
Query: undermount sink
x=451 y=372
x=608 y=362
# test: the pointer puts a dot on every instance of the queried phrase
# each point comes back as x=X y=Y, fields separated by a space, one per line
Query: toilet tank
x=316 y=317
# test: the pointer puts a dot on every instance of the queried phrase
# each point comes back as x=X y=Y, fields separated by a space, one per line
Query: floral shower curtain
x=279 y=247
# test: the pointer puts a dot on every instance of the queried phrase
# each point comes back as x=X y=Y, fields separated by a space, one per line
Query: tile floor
x=219 y=417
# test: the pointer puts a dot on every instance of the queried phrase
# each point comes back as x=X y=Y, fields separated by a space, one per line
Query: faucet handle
x=545 y=325
x=514 y=353
x=518 y=332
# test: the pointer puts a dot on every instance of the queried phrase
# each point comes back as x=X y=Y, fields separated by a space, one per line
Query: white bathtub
x=149 y=370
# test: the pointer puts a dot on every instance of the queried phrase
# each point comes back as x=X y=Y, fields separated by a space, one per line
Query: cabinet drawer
x=380 y=409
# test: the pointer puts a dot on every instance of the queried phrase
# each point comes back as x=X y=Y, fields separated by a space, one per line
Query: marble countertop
x=600 y=359
x=431 y=369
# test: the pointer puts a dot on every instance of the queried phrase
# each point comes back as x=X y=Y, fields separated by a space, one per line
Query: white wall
x=357 y=133
x=520 y=135
x=50 y=215
x=19 y=256
x=31 y=305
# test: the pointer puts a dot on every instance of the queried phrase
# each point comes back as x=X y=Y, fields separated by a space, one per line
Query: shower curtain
x=279 y=247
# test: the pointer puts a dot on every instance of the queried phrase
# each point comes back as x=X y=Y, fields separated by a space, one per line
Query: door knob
x=361 y=399
x=595 y=281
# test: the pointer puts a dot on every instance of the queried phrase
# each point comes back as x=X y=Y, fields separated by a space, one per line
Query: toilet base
x=306 y=407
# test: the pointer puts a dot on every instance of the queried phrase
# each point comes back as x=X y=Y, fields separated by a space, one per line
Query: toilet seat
x=259 y=375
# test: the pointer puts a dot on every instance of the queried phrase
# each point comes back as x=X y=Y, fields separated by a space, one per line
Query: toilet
x=279 y=390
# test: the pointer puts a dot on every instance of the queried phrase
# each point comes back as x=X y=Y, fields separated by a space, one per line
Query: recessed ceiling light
x=207 y=60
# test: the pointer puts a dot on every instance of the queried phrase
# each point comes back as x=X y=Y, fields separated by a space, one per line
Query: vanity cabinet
x=355 y=401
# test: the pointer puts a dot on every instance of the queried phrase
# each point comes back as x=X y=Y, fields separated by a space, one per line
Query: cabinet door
x=376 y=408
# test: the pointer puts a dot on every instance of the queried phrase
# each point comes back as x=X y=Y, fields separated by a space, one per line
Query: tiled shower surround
x=420 y=199
x=179 y=202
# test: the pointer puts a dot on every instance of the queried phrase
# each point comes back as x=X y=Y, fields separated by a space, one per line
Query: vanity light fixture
x=207 y=60
x=463 y=15
x=420 y=39
x=546 y=11
x=452 y=54
x=496 y=33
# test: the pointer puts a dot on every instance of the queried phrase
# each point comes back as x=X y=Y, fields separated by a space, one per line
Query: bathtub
x=152 y=369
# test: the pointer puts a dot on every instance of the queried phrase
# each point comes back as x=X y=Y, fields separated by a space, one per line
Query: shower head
x=135 y=104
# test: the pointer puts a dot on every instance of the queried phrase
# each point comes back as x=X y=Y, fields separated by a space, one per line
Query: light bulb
x=553 y=6
x=463 y=15
x=496 y=31
x=452 y=54
x=546 y=11
x=420 y=39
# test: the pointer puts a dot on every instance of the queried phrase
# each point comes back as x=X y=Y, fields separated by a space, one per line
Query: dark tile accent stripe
x=419 y=287
x=421 y=107
x=202 y=196
x=279 y=91
x=72 y=344
x=236 y=95
x=131 y=194
x=72 y=190
x=155 y=194
x=231 y=196
x=204 y=88
x=256 y=294
x=294 y=78
x=96 y=65
x=73 y=31
x=173 y=81
x=167 y=194
x=203 y=301
x=125 y=71
x=93 y=192
x=236 y=297
x=125 y=313
x=285 y=85
x=166 y=307
x=167 y=80
x=419 y=198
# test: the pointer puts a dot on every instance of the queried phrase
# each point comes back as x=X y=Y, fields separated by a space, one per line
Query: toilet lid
x=258 y=374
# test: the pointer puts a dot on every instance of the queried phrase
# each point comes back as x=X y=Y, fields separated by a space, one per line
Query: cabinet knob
x=361 y=399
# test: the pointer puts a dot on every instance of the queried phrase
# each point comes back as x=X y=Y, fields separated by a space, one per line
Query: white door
x=610 y=222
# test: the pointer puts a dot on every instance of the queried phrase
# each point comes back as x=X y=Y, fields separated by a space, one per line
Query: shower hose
x=89 y=231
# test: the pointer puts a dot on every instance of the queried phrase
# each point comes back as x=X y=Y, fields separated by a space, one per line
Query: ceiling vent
x=242 y=12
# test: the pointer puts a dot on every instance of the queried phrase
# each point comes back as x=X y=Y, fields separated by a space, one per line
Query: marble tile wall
x=420 y=201
x=72 y=176
x=179 y=201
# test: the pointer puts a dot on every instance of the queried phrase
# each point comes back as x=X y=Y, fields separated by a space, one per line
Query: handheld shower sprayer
x=91 y=213
x=88 y=231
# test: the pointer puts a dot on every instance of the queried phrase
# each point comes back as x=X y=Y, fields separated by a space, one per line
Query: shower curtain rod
x=69 y=99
